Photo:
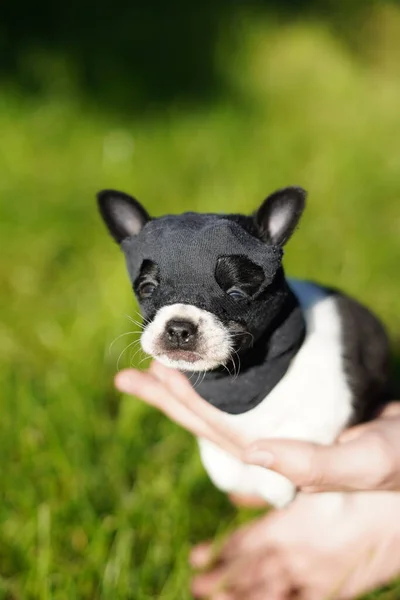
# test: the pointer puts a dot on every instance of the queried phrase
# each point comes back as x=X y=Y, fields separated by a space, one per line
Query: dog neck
x=260 y=368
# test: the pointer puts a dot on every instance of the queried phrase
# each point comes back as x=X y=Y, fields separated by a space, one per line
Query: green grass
x=101 y=496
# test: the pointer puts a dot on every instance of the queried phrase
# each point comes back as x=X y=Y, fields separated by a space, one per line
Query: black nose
x=180 y=334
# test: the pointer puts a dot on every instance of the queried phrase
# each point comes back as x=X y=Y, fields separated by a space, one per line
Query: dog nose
x=181 y=334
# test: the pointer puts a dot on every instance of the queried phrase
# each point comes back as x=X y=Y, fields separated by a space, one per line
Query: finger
x=200 y=556
x=150 y=389
x=144 y=386
x=180 y=387
x=261 y=572
x=353 y=433
x=391 y=410
x=336 y=467
x=209 y=583
x=262 y=593
x=237 y=577
x=247 y=539
x=301 y=462
x=247 y=574
x=265 y=592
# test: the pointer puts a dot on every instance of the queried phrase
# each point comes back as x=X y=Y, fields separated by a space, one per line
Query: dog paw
x=276 y=489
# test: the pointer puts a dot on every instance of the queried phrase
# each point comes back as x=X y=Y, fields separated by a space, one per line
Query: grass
x=101 y=496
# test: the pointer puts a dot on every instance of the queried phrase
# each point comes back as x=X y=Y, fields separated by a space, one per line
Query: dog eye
x=147 y=289
x=237 y=294
x=238 y=276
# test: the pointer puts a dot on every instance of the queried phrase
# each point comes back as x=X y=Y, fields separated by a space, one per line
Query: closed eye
x=237 y=294
x=148 y=280
x=238 y=275
x=146 y=289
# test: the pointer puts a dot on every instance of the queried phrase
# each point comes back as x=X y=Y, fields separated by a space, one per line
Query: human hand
x=170 y=391
x=365 y=457
x=309 y=551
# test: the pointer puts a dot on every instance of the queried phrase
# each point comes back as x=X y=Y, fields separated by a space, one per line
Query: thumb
x=307 y=464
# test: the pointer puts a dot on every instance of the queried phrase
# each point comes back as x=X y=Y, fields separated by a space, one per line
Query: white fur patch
x=214 y=347
x=312 y=402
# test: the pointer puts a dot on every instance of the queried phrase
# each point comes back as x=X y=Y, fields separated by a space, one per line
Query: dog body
x=283 y=359
x=313 y=401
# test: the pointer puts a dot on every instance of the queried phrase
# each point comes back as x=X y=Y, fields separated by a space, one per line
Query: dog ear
x=279 y=214
x=123 y=215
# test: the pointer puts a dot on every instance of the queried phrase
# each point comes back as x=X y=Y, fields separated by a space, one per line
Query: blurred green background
x=200 y=106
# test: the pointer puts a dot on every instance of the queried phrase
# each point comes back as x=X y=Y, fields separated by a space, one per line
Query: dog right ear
x=123 y=215
x=279 y=214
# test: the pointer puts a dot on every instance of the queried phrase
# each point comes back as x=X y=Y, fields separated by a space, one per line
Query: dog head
x=208 y=285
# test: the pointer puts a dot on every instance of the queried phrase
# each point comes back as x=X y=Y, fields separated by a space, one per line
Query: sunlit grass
x=101 y=497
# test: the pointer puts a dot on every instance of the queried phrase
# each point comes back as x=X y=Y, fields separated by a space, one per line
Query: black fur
x=218 y=263
x=365 y=355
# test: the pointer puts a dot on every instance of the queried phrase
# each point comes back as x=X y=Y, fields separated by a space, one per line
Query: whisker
x=238 y=369
x=143 y=359
x=137 y=351
x=120 y=336
x=204 y=376
x=123 y=351
x=226 y=369
x=197 y=378
x=144 y=319
x=234 y=368
x=132 y=320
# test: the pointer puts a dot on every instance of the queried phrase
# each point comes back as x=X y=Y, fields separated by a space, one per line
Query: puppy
x=281 y=358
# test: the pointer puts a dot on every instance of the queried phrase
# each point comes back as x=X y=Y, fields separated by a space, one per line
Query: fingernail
x=258 y=457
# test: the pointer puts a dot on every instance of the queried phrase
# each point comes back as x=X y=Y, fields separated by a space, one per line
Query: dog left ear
x=279 y=214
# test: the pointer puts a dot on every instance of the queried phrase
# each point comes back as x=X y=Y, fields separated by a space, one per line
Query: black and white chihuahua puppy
x=281 y=358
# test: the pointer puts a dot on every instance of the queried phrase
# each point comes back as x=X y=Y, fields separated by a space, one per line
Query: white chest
x=311 y=402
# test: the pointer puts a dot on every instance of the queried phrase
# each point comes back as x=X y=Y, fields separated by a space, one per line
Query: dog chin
x=190 y=364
